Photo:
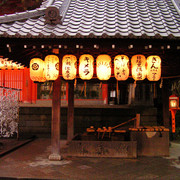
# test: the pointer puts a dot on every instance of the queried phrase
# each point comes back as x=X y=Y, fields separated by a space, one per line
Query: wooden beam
x=55 y=122
x=70 y=114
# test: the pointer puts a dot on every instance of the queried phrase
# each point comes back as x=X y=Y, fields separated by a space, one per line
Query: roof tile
x=102 y=18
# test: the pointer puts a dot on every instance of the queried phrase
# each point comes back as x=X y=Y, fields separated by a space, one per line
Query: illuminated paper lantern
x=14 y=65
x=2 y=63
x=9 y=65
x=103 y=67
x=19 y=66
x=51 y=67
x=138 y=66
x=86 y=66
x=69 y=67
x=37 y=70
x=153 y=68
x=121 y=69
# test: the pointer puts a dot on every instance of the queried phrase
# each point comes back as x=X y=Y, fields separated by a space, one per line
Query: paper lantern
x=19 y=66
x=103 y=67
x=121 y=69
x=9 y=65
x=138 y=66
x=69 y=67
x=153 y=68
x=51 y=67
x=86 y=66
x=2 y=63
x=37 y=70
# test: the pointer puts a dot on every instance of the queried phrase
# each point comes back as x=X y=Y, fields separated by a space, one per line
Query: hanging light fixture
x=121 y=69
x=138 y=67
x=37 y=70
x=51 y=67
x=86 y=66
x=69 y=67
x=2 y=63
x=153 y=68
x=103 y=67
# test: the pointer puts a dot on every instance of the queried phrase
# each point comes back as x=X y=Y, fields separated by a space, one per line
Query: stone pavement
x=31 y=162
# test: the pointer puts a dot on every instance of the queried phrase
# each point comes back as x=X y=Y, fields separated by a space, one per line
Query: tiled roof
x=98 y=18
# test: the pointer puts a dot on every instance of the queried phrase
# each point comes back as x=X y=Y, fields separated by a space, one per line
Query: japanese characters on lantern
x=37 y=70
x=121 y=69
x=51 y=67
x=138 y=67
x=103 y=67
x=69 y=67
x=86 y=66
x=153 y=68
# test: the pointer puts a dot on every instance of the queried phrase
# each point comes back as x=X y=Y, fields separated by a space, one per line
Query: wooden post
x=165 y=102
x=137 y=123
x=55 y=122
x=70 y=115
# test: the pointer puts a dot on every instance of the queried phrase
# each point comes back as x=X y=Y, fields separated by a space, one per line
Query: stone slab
x=119 y=149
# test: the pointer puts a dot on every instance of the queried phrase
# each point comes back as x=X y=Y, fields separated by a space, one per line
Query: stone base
x=120 y=149
x=151 y=143
x=55 y=157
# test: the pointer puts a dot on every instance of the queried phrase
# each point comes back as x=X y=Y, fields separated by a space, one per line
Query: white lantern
x=103 y=67
x=5 y=65
x=69 y=67
x=20 y=66
x=86 y=66
x=51 y=67
x=9 y=64
x=37 y=70
x=2 y=63
x=153 y=68
x=121 y=69
x=138 y=66
x=14 y=65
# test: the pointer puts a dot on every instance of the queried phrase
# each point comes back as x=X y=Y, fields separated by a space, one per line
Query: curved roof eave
x=26 y=14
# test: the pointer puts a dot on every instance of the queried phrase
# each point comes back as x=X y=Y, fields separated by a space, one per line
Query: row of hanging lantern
x=140 y=67
x=9 y=64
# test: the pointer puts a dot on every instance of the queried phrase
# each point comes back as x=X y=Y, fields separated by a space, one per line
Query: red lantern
x=173 y=107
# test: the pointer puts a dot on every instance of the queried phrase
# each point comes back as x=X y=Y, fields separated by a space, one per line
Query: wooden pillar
x=55 y=122
x=70 y=113
x=137 y=122
x=165 y=101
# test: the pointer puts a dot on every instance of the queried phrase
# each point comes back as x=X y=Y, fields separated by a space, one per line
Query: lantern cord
x=170 y=77
x=161 y=84
x=135 y=84
x=100 y=85
x=154 y=90
x=85 y=88
x=63 y=89
x=117 y=89
x=75 y=83
x=51 y=87
x=82 y=89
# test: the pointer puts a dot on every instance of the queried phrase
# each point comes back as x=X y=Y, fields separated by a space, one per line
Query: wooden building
x=94 y=27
